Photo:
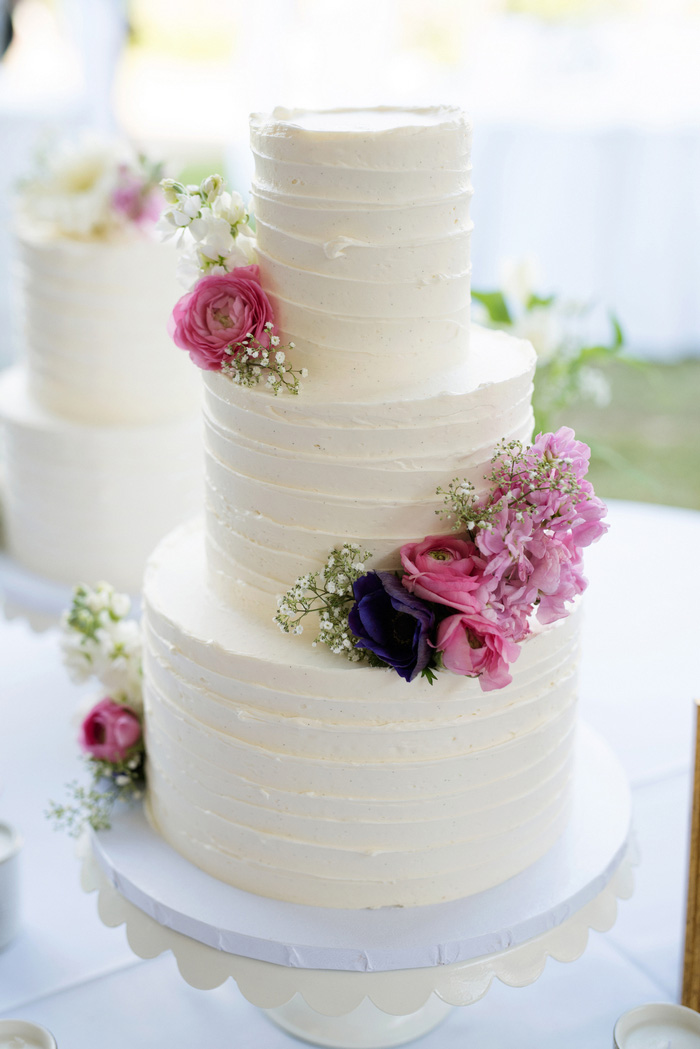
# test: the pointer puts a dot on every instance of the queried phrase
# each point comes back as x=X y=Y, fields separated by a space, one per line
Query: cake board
x=369 y=979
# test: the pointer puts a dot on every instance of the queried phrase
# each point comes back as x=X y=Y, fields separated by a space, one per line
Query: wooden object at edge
x=691 y=959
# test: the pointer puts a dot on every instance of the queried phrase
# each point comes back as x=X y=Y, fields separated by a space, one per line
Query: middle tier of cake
x=289 y=478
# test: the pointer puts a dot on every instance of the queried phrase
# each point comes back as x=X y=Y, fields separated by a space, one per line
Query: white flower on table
x=97 y=640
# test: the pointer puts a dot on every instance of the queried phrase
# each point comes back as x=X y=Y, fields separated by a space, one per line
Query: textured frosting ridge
x=290 y=773
x=288 y=479
x=94 y=319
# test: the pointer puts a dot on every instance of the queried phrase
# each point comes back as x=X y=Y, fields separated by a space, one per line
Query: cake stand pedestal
x=369 y=979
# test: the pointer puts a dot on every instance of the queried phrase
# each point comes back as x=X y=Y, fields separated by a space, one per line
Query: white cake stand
x=369 y=979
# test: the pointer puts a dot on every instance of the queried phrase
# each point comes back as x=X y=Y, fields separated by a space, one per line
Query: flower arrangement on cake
x=93 y=189
x=225 y=321
x=571 y=359
x=99 y=640
x=463 y=603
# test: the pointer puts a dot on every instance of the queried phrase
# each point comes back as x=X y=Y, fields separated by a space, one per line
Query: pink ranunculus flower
x=446 y=570
x=477 y=647
x=219 y=312
x=110 y=731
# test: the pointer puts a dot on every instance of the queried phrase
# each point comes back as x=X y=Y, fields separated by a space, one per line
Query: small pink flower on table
x=219 y=312
x=109 y=731
x=472 y=645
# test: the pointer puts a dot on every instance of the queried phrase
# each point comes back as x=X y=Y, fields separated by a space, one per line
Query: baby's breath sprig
x=92 y=805
x=329 y=594
x=516 y=476
x=250 y=362
x=461 y=507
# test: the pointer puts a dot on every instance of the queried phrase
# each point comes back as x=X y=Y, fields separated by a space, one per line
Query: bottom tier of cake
x=291 y=773
x=83 y=502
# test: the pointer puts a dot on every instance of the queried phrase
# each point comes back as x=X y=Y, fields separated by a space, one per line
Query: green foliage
x=495 y=304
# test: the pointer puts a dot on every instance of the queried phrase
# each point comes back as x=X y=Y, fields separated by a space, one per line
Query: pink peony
x=477 y=647
x=110 y=731
x=446 y=570
x=219 y=312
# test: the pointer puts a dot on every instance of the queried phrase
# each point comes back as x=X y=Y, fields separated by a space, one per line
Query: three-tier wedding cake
x=100 y=419
x=274 y=764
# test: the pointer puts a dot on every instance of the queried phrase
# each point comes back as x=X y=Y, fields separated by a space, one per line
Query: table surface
x=639 y=679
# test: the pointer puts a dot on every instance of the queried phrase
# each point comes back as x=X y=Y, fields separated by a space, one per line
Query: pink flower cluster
x=138 y=200
x=525 y=558
x=218 y=314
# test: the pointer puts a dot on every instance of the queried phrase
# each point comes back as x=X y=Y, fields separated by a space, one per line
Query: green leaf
x=537 y=300
x=619 y=336
x=495 y=305
x=429 y=675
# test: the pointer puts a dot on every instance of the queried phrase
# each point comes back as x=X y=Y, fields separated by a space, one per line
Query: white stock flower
x=75 y=658
x=100 y=598
x=165 y=228
x=73 y=191
x=520 y=278
x=244 y=253
x=543 y=327
x=120 y=604
x=171 y=189
x=119 y=666
x=230 y=206
x=595 y=387
x=188 y=270
x=211 y=187
x=213 y=235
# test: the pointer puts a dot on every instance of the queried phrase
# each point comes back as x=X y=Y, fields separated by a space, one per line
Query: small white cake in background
x=100 y=417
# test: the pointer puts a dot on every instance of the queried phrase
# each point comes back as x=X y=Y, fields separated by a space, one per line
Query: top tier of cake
x=363 y=230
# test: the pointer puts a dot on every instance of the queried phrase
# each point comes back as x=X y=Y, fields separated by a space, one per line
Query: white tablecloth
x=639 y=677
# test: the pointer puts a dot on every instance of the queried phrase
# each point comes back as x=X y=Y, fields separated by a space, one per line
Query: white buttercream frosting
x=363 y=229
x=293 y=774
x=287 y=479
x=86 y=502
x=277 y=766
x=94 y=320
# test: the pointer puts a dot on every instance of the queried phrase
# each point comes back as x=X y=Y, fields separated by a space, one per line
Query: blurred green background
x=646 y=444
